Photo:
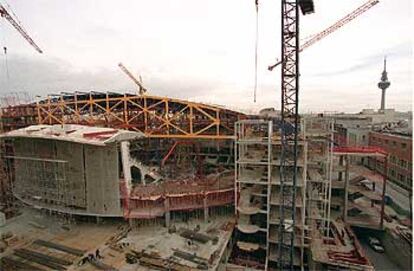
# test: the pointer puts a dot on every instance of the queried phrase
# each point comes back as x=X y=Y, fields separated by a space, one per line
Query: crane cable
x=4 y=52
x=256 y=48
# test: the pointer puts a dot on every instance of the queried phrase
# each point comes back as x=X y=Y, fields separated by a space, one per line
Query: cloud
x=45 y=76
x=402 y=50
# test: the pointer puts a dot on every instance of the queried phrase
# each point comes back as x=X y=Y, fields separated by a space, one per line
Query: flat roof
x=99 y=136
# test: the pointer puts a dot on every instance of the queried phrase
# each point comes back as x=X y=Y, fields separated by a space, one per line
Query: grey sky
x=204 y=51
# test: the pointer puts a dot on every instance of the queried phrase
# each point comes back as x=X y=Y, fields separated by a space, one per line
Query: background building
x=399 y=148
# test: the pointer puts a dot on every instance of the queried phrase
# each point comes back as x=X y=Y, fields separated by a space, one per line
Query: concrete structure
x=100 y=172
x=72 y=169
x=257 y=161
x=159 y=181
x=372 y=118
x=154 y=246
x=399 y=148
x=319 y=244
x=341 y=251
x=2 y=219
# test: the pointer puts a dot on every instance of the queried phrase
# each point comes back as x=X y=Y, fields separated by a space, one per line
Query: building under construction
x=115 y=181
x=179 y=161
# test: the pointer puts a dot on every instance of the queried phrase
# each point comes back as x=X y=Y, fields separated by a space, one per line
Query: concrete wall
x=36 y=177
x=102 y=179
x=357 y=137
x=74 y=177
x=76 y=185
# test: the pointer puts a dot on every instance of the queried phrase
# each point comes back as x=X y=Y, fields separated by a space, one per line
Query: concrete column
x=341 y=163
x=345 y=213
x=205 y=209
x=126 y=164
x=384 y=188
x=167 y=212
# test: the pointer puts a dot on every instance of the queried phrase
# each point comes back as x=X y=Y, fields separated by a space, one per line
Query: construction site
x=94 y=180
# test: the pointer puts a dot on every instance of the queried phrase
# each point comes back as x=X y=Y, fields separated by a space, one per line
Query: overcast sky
x=204 y=51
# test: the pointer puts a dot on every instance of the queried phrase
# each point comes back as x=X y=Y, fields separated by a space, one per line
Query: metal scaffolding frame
x=51 y=177
x=319 y=136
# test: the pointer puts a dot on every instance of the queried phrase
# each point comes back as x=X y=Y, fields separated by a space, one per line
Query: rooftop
x=74 y=133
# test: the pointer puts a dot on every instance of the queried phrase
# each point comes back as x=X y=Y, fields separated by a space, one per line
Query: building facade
x=399 y=149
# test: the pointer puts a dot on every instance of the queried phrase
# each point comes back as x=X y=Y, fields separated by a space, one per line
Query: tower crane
x=289 y=128
x=14 y=21
x=141 y=88
x=346 y=19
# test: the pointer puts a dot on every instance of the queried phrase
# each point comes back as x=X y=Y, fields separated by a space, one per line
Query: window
x=394 y=143
x=392 y=172
x=401 y=178
x=403 y=163
x=386 y=141
x=397 y=161
x=392 y=159
x=403 y=145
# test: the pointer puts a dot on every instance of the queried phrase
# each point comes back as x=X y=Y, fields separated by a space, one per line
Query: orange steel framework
x=156 y=117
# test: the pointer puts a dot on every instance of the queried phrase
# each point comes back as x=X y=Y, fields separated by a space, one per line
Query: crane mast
x=289 y=127
x=14 y=22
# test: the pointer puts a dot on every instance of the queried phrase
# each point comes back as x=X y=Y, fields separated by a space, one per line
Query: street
x=379 y=260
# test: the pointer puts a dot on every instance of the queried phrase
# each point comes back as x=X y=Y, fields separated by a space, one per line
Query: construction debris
x=44 y=256
x=201 y=262
x=32 y=257
x=101 y=266
x=60 y=247
x=37 y=225
x=156 y=262
x=8 y=263
x=199 y=237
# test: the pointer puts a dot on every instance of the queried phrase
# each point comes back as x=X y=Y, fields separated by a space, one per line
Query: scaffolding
x=47 y=183
x=318 y=133
x=6 y=196
x=258 y=191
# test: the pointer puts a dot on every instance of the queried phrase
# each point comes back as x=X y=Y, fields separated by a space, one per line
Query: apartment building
x=399 y=148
